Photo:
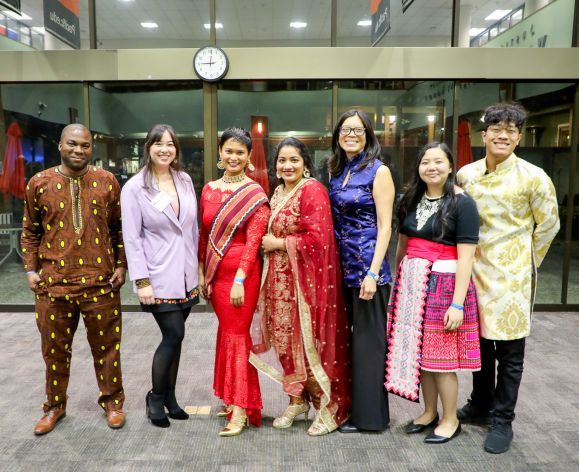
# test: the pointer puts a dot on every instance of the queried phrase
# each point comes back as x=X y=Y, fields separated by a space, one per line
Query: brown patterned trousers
x=57 y=320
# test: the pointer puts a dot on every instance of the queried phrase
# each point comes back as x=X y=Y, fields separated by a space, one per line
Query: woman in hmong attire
x=234 y=216
x=302 y=314
x=433 y=325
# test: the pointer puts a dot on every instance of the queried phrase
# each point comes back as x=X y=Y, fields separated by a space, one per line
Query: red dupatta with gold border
x=234 y=212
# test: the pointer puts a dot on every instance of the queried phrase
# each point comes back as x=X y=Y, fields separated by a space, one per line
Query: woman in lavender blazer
x=159 y=214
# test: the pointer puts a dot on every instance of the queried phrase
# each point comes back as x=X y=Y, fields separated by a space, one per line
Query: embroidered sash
x=234 y=212
x=406 y=316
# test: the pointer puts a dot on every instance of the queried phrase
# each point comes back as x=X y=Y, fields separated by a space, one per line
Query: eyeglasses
x=496 y=130
x=346 y=130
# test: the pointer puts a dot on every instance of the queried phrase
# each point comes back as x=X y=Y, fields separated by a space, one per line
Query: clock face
x=211 y=63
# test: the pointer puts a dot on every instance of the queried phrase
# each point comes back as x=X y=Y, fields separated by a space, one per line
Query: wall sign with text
x=13 y=5
x=61 y=19
x=380 y=11
x=406 y=4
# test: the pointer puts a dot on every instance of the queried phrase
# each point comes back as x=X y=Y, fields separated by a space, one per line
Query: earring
x=220 y=164
x=278 y=176
x=250 y=167
x=307 y=173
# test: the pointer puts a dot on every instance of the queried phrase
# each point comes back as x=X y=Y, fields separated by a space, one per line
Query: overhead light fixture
x=39 y=29
x=365 y=23
x=298 y=24
x=149 y=24
x=431 y=118
x=217 y=25
x=475 y=31
x=392 y=119
x=16 y=16
x=497 y=15
x=259 y=127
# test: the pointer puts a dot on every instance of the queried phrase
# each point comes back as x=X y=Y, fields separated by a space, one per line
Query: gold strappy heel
x=318 y=427
x=290 y=413
x=225 y=411
x=235 y=426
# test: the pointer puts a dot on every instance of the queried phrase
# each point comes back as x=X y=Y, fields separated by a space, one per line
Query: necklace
x=425 y=209
x=233 y=179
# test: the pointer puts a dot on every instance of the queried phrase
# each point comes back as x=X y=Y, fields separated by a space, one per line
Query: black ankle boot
x=155 y=410
x=175 y=411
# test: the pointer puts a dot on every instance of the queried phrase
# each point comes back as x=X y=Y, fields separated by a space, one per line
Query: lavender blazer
x=159 y=245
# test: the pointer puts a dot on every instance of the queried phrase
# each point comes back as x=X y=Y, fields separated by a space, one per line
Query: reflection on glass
x=255 y=23
x=122 y=113
x=279 y=108
x=423 y=24
x=179 y=24
x=549 y=106
x=39 y=111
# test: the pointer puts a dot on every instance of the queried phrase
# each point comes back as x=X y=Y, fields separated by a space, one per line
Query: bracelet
x=457 y=306
x=376 y=277
x=142 y=283
x=238 y=280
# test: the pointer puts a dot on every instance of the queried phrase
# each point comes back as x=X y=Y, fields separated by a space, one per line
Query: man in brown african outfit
x=75 y=263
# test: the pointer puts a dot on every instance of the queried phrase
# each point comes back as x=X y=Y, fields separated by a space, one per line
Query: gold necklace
x=233 y=179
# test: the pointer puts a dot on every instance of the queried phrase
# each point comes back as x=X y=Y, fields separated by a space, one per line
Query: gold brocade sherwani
x=72 y=238
x=517 y=205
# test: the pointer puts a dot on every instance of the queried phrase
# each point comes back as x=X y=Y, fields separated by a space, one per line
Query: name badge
x=161 y=201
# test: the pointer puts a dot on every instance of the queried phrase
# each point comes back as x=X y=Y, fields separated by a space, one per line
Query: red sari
x=302 y=313
x=235 y=379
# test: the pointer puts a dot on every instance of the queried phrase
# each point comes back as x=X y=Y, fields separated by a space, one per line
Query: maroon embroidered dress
x=302 y=313
x=235 y=379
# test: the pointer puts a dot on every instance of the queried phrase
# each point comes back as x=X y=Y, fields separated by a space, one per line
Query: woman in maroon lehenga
x=302 y=314
x=234 y=216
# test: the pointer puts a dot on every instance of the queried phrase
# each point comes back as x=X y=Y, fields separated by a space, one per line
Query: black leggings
x=167 y=355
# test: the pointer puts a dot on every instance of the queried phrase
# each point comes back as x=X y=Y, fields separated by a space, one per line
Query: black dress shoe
x=499 y=438
x=175 y=411
x=436 y=439
x=155 y=410
x=413 y=428
x=348 y=427
x=470 y=413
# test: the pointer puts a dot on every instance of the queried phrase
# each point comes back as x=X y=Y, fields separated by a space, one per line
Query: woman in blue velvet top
x=362 y=195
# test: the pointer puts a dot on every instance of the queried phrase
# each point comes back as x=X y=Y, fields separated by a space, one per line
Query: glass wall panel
x=544 y=143
x=406 y=115
x=39 y=112
x=255 y=23
x=273 y=110
x=122 y=113
x=573 y=288
x=426 y=23
x=150 y=24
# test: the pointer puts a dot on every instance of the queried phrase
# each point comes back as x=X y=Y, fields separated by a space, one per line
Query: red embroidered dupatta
x=237 y=209
x=315 y=318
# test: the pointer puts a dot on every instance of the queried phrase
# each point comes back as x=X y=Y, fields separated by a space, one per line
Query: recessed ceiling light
x=365 y=23
x=217 y=25
x=16 y=16
x=39 y=29
x=497 y=15
x=149 y=24
x=475 y=31
x=298 y=24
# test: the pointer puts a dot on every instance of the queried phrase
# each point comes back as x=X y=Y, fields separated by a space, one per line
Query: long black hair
x=154 y=135
x=415 y=189
x=303 y=151
x=241 y=135
x=338 y=159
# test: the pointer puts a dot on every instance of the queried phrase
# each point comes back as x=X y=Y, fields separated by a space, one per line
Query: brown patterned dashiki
x=72 y=233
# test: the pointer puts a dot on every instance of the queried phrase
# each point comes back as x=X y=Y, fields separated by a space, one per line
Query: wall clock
x=211 y=63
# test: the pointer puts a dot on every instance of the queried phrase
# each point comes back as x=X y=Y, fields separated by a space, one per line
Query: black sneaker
x=499 y=438
x=470 y=413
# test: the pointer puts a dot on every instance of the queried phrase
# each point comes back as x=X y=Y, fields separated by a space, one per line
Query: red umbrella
x=12 y=178
x=464 y=151
x=258 y=159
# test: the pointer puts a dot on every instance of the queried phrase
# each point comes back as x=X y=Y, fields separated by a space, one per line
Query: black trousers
x=367 y=320
x=499 y=397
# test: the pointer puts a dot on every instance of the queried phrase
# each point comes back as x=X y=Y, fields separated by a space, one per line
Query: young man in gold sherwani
x=517 y=205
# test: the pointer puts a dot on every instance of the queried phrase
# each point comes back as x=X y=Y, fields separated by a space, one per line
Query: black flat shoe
x=436 y=439
x=348 y=427
x=414 y=428
x=157 y=419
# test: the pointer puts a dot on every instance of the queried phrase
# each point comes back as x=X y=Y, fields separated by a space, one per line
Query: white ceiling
x=262 y=20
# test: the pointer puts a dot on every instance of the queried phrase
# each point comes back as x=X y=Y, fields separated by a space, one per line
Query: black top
x=463 y=225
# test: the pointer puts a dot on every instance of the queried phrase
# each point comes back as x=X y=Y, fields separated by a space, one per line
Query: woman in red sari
x=302 y=314
x=234 y=216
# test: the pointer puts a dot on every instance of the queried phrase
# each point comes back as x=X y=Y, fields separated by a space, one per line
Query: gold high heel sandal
x=290 y=413
x=318 y=427
x=225 y=411
x=235 y=426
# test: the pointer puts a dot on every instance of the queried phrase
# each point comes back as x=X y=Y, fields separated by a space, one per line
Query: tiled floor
x=546 y=429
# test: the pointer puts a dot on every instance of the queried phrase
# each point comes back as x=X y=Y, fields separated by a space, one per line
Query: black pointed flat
x=436 y=439
x=414 y=428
